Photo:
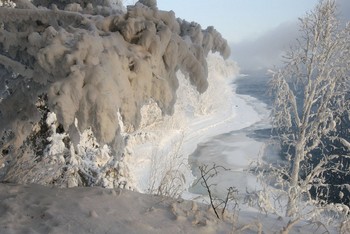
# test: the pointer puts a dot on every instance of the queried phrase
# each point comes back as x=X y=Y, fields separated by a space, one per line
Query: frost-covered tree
x=311 y=98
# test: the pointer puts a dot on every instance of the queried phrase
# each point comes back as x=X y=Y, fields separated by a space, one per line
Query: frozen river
x=236 y=149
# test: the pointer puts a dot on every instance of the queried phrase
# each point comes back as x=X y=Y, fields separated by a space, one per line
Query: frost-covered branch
x=310 y=93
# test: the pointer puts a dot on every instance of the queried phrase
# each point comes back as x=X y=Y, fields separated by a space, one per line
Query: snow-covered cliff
x=80 y=79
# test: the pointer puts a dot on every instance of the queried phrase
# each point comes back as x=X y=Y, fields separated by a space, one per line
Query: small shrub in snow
x=166 y=177
x=218 y=205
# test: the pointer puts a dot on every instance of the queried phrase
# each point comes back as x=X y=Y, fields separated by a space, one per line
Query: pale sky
x=238 y=20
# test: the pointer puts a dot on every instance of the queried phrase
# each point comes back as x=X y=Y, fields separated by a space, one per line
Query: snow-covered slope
x=38 y=209
x=41 y=209
x=161 y=149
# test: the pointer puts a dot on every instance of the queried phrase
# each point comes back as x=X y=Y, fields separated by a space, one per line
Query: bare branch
x=206 y=173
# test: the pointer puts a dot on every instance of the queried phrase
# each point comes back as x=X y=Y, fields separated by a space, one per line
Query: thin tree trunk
x=293 y=191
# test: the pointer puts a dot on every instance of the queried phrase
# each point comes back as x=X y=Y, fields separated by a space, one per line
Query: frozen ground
x=39 y=209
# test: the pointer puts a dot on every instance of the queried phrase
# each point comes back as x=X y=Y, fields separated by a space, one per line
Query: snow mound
x=41 y=209
x=34 y=208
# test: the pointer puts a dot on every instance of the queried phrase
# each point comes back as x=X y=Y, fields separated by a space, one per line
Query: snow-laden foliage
x=311 y=95
x=58 y=162
x=96 y=62
x=91 y=65
x=6 y=3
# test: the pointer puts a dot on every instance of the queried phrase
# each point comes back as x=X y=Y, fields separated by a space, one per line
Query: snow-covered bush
x=7 y=3
x=166 y=177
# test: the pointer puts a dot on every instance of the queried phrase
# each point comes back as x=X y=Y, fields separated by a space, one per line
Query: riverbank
x=164 y=148
x=235 y=149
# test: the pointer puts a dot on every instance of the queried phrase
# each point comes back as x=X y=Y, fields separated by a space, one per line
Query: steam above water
x=94 y=65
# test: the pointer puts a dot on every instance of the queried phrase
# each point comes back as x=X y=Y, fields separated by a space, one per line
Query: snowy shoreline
x=197 y=120
x=233 y=148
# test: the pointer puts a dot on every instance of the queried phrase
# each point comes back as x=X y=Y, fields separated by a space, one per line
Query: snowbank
x=41 y=209
x=38 y=209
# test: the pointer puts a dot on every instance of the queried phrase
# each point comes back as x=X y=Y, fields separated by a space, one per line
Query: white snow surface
x=43 y=209
x=39 y=209
x=165 y=144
